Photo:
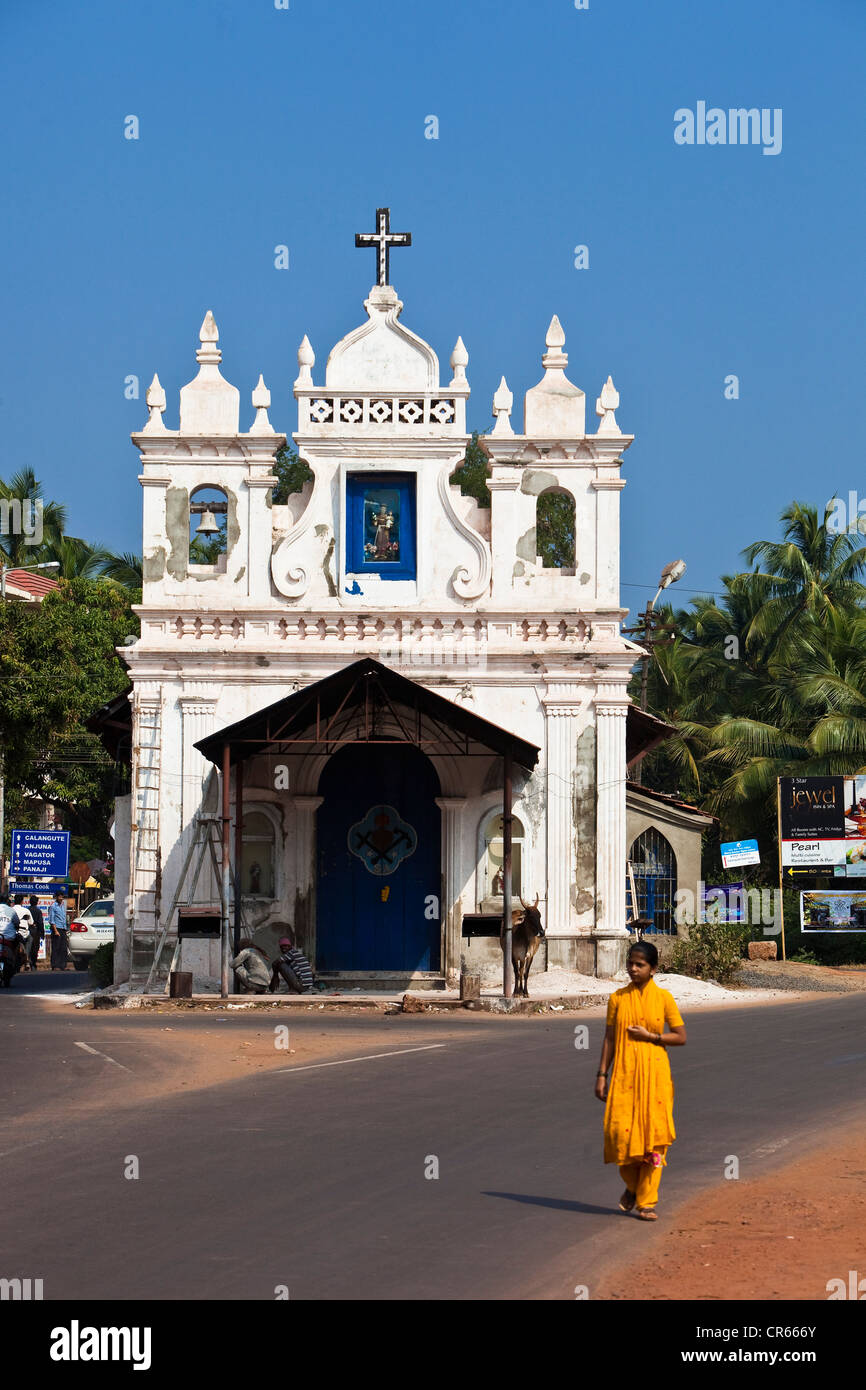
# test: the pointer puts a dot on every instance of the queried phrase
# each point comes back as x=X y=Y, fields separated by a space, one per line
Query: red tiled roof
x=32 y=582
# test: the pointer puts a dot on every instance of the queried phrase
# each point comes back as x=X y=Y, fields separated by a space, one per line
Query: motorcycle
x=12 y=957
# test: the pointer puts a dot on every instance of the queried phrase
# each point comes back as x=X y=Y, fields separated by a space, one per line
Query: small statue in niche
x=383 y=547
x=497 y=887
x=255 y=879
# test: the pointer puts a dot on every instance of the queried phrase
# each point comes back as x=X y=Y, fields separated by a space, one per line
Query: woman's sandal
x=627 y=1201
x=646 y=1214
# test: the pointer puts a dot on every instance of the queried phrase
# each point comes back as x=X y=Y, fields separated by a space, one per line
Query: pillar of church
x=198 y=712
x=611 y=934
x=303 y=909
x=607 y=487
x=259 y=531
x=450 y=908
x=503 y=486
x=561 y=739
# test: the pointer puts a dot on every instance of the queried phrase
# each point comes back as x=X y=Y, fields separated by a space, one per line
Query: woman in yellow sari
x=638 y=1116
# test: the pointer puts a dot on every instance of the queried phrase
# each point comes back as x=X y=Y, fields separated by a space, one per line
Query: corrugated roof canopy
x=365 y=703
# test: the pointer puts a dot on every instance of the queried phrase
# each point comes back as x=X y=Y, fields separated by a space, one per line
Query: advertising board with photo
x=832 y=911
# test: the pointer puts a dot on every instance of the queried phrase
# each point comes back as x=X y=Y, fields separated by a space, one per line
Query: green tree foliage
x=554 y=534
x=57 y=666
x=293 y=472
x=767 y=679
x=471 y=474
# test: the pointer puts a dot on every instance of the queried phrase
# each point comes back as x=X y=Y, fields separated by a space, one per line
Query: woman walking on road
x=638 y=1117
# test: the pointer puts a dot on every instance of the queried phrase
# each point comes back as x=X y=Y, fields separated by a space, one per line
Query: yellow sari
x=639 y=1114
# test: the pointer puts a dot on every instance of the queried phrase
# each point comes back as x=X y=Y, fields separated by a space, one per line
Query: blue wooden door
x=379 y=874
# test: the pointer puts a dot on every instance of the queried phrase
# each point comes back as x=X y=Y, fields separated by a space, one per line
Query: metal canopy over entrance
x=364 y=703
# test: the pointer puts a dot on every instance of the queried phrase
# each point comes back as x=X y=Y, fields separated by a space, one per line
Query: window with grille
x=654 y=866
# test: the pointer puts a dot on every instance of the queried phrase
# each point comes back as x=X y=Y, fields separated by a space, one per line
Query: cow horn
x=535 y=904
x=522 y=903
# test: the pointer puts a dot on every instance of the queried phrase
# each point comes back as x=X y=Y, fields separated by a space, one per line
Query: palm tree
x=24 y=503
x=124 y=569
x=813 y=570
x=76 y=558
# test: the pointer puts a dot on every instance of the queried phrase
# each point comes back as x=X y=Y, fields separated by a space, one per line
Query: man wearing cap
x=293 y=967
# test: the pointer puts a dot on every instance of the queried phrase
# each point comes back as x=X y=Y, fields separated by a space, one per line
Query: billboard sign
x=722 y=902
x=832 y=911
x=40 y=854
x=823 y=823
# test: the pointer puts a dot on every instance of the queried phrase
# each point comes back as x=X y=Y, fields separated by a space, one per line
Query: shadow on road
x=44 y=983
x=558 y=1203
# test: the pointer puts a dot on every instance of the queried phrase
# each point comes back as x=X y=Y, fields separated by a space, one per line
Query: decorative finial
x=502 y=403
x=155 y=400
x=306 y=362
x=208 y=336
x=459 y=363
x=605 y=406
x=261 y=401
x=555 y=341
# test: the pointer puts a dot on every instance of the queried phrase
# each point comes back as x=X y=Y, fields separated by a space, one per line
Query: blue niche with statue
x=380 y=512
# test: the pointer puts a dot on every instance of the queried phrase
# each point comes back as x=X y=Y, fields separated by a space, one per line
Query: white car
x=91 y=929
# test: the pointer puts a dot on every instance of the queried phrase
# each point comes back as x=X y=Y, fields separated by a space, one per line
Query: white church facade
x=342 y=696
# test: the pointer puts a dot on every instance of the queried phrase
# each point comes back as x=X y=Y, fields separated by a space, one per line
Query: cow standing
x=526 y=933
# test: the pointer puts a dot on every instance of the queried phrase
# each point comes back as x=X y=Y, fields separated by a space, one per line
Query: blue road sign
x=40 y=853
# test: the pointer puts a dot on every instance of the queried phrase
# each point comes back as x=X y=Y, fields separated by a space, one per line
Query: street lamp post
x=4 y=570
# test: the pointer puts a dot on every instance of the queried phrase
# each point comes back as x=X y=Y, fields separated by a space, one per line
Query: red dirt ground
x=782 y=1236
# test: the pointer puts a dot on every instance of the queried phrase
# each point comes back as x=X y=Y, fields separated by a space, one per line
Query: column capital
x=306 y=803
x=450 y=803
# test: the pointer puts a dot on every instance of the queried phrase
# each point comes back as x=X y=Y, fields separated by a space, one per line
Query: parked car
x=91 y=929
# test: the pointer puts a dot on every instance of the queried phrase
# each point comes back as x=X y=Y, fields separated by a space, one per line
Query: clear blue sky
x=261 y=126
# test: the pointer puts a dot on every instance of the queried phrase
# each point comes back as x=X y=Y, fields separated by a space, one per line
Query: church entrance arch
x=379 y=861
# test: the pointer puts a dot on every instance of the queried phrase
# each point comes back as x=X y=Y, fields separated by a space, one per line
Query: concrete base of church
x=611 y=951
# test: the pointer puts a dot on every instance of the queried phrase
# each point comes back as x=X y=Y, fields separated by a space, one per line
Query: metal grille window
x=654 y=866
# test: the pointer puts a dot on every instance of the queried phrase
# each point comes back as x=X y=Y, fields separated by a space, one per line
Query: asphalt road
x=316 y=1180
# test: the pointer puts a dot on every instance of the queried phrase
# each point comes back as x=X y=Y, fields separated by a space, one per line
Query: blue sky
x=261 y=127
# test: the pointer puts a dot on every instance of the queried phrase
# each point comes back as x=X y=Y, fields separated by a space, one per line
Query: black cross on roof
x=383 y=239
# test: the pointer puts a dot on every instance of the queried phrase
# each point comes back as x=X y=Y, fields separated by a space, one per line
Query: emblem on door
x=382 y=840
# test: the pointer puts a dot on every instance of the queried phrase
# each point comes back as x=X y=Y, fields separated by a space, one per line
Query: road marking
x=104 y=1055
x=371 y=1057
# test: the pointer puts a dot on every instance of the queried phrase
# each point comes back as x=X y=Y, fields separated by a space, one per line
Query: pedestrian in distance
x=639 y=1094
x=292 y=967
x=59 y=929
x=251 y=967
x=37 y=931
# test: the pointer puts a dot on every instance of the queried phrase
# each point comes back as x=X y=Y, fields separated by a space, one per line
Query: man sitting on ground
x=293 y=967
x=251 y=967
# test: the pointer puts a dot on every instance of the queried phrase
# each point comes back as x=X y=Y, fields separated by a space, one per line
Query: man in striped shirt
x=293 y=967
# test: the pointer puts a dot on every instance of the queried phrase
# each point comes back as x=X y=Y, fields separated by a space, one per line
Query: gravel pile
x=791 y=974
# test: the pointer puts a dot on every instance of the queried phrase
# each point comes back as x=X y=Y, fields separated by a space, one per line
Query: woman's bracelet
x=601 y=1073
